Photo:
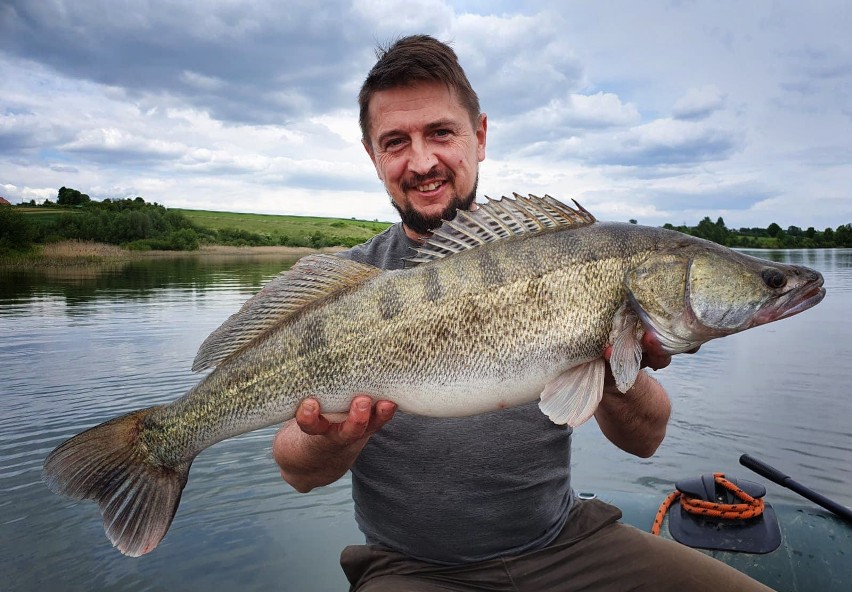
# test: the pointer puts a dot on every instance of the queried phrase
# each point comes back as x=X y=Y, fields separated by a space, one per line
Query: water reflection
x=139 y=278
x=79 y=349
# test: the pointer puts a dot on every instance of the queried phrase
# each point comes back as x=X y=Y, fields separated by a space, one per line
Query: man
x=484 y=502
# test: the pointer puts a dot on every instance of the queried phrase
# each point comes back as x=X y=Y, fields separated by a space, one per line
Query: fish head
x=689 y=295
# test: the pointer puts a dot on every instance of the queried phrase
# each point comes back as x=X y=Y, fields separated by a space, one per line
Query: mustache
x=434 y=175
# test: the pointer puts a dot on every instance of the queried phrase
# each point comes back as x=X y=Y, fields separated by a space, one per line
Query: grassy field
x=44 y=215
x=293 y=226
x=349 y=231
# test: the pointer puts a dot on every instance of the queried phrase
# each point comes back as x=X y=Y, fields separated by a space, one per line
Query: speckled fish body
x=507 y=304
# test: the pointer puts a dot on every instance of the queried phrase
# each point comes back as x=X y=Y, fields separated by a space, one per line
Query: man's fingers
x=656 y=362
x=382 y=414
x=310 y=420
x=359 y=418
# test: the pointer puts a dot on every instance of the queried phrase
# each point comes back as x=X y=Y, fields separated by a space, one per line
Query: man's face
x=426 y=152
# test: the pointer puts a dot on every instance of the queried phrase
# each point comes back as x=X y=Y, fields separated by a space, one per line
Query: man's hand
x=312 y=450
x=363 y=420
x=652 y=354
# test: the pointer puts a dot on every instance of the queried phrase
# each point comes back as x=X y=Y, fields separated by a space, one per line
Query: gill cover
x=687 y=298
x=726 y=293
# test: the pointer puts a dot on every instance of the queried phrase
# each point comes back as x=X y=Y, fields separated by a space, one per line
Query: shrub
x=17 y=232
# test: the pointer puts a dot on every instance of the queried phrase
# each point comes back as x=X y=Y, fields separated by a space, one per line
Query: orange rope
x=750 y=508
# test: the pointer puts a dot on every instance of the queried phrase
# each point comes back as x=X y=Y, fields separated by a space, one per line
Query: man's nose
x=422 y=159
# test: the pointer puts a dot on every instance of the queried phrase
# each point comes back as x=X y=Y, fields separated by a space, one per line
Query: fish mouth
x=810 y=298
x=793 y=302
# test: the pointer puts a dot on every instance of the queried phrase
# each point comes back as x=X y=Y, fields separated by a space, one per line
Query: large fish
x=506 y=304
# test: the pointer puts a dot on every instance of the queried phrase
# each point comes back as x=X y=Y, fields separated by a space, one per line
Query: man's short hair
x=413 y=59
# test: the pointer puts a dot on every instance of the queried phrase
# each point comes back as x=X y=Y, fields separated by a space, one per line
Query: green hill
x=284 y=230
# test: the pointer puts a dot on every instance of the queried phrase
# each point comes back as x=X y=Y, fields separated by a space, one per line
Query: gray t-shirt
x=459 y=490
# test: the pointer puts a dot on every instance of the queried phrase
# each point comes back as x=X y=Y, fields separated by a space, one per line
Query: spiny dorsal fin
x=499 y=219
x=311 y=278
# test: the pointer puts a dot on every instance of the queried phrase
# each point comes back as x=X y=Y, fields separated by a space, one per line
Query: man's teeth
x=429 y=187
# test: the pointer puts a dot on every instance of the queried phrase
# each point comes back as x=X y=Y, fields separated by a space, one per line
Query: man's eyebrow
x=388 y=134
x=429 y=127
x=442 y=123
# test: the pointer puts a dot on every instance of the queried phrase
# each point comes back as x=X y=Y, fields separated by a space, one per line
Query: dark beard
x=425 y=224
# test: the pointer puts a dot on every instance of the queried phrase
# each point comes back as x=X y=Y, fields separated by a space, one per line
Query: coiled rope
x=750 y=508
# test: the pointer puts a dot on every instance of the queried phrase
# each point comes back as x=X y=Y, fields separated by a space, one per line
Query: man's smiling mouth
x=429 y=186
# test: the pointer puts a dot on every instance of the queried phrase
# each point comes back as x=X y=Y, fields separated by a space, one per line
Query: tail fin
x=108 y=464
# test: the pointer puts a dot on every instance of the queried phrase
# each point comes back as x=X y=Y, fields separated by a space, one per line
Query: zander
x=511 y=302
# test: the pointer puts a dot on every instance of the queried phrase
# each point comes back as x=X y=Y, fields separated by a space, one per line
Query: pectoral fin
x=572 y=397
x=626 y=339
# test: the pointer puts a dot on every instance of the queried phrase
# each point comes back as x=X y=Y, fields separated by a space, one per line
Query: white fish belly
x=461 y=399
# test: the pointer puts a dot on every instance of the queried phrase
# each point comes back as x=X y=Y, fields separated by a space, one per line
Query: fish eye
x=773 y=278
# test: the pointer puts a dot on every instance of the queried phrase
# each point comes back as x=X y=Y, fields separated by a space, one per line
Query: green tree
x=716 y=232
x=71 y=197
x=774 y=230
x=843 y=235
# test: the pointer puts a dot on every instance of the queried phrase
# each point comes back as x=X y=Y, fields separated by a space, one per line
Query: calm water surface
x=78 y=349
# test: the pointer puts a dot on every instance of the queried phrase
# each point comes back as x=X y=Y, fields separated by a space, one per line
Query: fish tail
x=138 y=496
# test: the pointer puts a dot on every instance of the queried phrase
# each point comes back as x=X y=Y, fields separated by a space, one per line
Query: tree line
x=132 y=223
x=771 y=237
x=137 y=224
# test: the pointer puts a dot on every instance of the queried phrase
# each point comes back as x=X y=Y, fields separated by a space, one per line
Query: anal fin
x=572 y=397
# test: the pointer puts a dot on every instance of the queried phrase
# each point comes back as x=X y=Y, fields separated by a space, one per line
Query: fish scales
x=470 y=329
x=509 y=309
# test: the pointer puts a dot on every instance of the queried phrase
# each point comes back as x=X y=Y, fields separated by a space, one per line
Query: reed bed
x=69 y=253
x=76 y=254
x=86 y=250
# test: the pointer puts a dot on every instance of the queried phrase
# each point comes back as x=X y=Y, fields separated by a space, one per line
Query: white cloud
x=699 y=103
x=664 y=112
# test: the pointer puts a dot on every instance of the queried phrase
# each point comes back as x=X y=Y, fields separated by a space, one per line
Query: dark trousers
x=593 y=552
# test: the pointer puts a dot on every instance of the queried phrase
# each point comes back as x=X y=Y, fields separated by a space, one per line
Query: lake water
x=78 y=349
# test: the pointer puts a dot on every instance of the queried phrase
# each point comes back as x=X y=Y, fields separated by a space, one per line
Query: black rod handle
x=776 y=476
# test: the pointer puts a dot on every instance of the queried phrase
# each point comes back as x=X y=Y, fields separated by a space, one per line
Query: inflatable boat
x=789 y=547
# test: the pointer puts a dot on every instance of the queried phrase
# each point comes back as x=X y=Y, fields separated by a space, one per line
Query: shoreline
x=78 y=254
x=220 y=250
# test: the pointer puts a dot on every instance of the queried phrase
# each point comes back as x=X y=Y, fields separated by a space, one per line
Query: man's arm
x=635 y=421
x=311 y=451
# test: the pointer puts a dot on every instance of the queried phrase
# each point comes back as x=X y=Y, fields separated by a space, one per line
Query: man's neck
x=415 y=236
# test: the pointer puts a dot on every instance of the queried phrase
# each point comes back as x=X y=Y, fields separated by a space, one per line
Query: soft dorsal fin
x=312 y=277
x=499 y=219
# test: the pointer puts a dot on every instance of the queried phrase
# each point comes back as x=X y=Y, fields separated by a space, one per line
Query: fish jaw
x=794 y=302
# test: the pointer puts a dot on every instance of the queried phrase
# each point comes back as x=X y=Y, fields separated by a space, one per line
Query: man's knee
x=672 y=566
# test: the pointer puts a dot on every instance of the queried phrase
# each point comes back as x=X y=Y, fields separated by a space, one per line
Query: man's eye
x=394 y=143
x=443 y=133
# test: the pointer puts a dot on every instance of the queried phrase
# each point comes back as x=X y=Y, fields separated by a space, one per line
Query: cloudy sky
x=658 y=111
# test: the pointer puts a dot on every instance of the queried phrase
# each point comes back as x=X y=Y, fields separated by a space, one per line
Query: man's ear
x=481 y=129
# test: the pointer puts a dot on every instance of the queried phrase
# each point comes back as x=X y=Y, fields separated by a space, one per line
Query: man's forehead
x=419 y=104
